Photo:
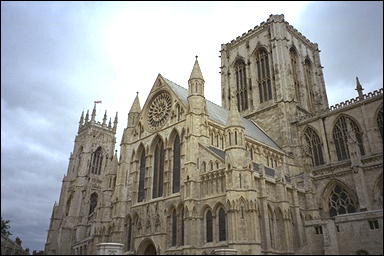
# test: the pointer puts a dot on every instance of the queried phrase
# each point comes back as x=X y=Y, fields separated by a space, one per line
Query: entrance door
x=150 y=250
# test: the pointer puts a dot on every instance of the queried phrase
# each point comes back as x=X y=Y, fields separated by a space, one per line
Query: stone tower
x=276 y=76
x=87 y=186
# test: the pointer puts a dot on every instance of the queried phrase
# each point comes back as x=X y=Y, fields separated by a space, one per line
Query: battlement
x=355 y=100
x=272 y=18
x=347 y=103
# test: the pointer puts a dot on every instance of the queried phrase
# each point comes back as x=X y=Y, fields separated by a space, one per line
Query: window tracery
x=159 y=110
x=264 y=77
x=314 y=147
x=241 y=85
x=340 y=202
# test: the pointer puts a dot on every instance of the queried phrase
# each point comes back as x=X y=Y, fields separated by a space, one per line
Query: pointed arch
x=209 y=226
x=313 y=146
x=264 y=78
x=174 y=140
x=142 y=168
x=341 y=133
x=241 y=84
x=295 y=71
x=157 y=147
x=96 y=161
x=339 y=199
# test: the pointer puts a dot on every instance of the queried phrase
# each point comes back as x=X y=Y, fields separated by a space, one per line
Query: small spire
x=196 y=72
x=115 y=123
x=136 y=105
x=359 y=88
x=110 y=123
x=105 y=119
x=87 y=116
x=93 y=113
x=81 y=118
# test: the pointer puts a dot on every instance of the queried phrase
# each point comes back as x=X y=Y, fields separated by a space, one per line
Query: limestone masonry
x=274 y=170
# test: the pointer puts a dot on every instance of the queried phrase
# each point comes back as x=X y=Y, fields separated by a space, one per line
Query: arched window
x=208 y=219
x=295 y=75
x=158 y=170
x=263 y=75
x=174 y=228
x=96 y=160
x=92 y=203
x=340 y=136
x=309 y=82
x=241 y=85
x=314 y=147
x=204 y=166
x=380 y=122
x=340 y=202
x=176 y=165
x=222 y=227
x=141 y=191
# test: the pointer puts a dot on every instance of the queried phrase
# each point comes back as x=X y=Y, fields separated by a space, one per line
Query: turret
x=134 y=112
x=236 y=154
x=196 y=98
x=359 y=88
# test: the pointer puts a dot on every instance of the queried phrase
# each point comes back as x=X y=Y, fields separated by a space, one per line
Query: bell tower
x=276 y=76
x=85 y=184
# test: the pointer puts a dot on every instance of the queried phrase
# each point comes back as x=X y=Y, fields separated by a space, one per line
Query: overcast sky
x=59 y=57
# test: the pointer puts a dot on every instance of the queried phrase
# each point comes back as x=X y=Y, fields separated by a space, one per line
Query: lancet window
x=264 y=77
x=96 y=160
x=209 y=235
x=141 y=191
x=380 y=121
x=222 y=227
x=241 y=85
x=176 y=165
x=158 y=170
x=295 y=75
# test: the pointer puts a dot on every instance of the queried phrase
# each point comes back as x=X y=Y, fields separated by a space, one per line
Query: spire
x=196 y=72
x=93 y=113
x=105 y=119
x=136 y=105
x=234 y=118
x=87 y=116
x=115 y=123
x=81 y=118
x=359 y=88
x=110 y=123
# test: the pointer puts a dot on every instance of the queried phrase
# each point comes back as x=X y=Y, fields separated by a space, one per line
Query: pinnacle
x=196 y=72
x=136 y=105
x=234 y=117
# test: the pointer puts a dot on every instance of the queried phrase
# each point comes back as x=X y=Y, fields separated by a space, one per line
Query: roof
x=220 y=115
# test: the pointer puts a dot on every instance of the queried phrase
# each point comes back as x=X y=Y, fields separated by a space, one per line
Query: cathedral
x=274 y=170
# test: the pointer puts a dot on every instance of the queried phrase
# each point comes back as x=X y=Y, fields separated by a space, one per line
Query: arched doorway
x=147 y=247
x=150 y=250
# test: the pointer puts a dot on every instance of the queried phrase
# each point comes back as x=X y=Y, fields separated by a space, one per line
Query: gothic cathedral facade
x=274 y=170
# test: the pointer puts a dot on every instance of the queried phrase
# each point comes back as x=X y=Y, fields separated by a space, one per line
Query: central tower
x=276 y=76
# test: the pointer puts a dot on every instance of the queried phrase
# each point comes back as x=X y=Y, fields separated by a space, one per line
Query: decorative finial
x=137 y=93
x=359 y=88
x=196 y=57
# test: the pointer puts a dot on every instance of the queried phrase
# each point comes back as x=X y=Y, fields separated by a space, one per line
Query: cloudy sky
x=59 y=57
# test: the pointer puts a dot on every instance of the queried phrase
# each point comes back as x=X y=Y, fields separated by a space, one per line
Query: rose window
x=159 y=110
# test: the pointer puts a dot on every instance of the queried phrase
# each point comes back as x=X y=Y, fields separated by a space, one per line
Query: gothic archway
x=147 y=247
